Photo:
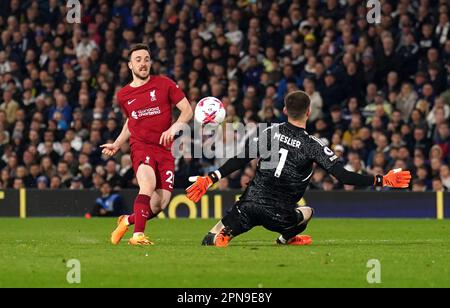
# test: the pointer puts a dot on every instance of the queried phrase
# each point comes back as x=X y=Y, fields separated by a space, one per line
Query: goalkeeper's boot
x=209 y=239
x=298 y=240
x=140 y=240
x=223 y=238
x=121 y=229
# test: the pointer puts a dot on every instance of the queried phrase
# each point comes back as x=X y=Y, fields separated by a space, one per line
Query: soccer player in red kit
x=147 y=103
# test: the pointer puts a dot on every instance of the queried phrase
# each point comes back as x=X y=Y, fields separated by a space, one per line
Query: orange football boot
x=141 y=240
x=300 y=240
x=222 y=239
x=121 y=229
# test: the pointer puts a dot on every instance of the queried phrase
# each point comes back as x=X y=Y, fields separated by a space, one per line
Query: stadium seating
x=380 y=93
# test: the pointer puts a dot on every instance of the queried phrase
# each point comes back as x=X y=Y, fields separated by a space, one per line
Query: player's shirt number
x=284 y=153
x=170 y=178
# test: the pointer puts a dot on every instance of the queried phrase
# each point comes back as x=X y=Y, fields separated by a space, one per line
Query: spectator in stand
x=110 y=204
x=58 y=84
x=10 y=106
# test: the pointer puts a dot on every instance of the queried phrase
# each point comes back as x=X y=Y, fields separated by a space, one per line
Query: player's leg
x=222 y=237
x=209 y=238
x=290 y=236
x=143 y=166
x=233 y=224
x=163 y=166
x=146 y=180
x=160 y=201
x=165 y=179
x=142 y=211
x=217 y=228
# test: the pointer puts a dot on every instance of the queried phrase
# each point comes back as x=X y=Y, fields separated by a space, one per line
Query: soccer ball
x=210 y=112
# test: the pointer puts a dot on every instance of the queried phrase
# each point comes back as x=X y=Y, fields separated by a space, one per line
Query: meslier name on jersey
x=289 y=141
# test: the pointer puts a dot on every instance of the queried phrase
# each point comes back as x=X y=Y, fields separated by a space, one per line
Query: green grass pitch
x=412 y=253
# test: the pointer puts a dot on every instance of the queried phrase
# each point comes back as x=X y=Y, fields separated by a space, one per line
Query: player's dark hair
x=297 y=104
x=137 y=47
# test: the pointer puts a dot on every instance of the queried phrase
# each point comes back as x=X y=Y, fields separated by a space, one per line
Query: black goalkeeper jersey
x=286 y=165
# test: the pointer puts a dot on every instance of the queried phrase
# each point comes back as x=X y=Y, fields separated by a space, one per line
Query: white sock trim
x=282 y=240
x=138 y=234
x=219 y=175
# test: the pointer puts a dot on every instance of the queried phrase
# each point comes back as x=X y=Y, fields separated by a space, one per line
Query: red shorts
x=160 y=159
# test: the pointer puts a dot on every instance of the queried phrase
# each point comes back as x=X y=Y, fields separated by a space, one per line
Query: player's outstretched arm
x=395 y=178
x=327 y=159
x=110 y=149
x=203 y=183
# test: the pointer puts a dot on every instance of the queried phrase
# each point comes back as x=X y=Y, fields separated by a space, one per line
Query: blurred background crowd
x=380 y=95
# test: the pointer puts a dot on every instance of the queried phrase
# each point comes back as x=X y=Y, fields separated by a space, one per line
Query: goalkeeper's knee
x=305 y=214
x=291 y=233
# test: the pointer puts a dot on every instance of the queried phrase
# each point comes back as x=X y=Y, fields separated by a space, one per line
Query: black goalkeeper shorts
x=246 y=215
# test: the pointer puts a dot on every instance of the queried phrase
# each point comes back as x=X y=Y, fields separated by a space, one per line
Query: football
x=210 y=111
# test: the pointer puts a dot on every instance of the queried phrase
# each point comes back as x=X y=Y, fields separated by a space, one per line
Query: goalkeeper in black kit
x=271 y=198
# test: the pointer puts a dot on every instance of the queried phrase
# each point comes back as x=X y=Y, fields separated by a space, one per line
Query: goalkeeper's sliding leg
x=233 y=224
x=290 y=236
x=219 y=235
x=246 y=215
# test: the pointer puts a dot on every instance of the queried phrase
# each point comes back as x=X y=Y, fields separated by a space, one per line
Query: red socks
x=142 y=212
x=132 y=217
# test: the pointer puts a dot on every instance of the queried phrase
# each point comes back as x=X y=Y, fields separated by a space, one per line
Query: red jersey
x=149 y=108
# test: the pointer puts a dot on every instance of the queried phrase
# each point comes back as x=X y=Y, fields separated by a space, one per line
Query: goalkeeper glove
x=201 y=185
x=395 y=178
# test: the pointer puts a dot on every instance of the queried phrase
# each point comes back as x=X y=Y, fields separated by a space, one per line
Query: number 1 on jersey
x=284 y=153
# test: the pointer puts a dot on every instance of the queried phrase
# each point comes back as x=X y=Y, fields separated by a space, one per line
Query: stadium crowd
x=379 y=93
